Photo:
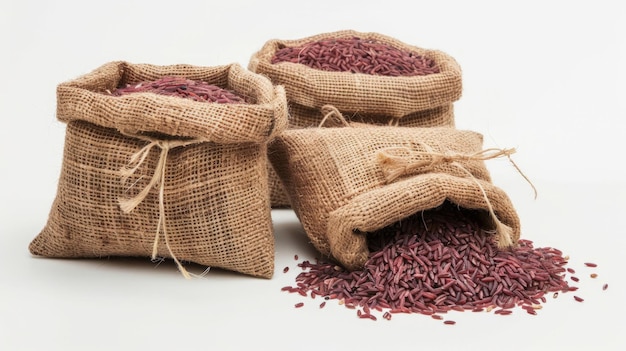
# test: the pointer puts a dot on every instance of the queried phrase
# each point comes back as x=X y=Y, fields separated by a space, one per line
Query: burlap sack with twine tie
x=412 y=101
x=345 y=182
x=166 y=177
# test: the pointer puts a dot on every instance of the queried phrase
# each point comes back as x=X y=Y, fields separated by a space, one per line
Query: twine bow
x=158 y=178
x=398 y=161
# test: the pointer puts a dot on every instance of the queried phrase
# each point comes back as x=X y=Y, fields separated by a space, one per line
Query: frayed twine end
x=504 y=235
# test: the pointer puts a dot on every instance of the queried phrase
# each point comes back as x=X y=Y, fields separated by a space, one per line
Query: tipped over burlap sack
x=345 y=182
x=410 y=101
x=162 y=176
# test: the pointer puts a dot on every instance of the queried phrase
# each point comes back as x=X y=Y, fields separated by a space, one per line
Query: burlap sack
x=162 y=176
x=417 y=101
x=344 y=182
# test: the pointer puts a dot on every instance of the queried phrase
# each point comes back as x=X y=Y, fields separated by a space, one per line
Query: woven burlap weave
x=416 y=101
x=339 y=187
x=212 y=157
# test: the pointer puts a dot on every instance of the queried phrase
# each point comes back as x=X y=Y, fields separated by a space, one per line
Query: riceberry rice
x=357 y=55
x=439 y=261
x=182 y=87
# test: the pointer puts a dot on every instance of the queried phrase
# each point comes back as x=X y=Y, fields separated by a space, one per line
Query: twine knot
x=398 y=161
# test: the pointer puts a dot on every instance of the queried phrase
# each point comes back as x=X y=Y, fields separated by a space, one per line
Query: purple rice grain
x=367 y=315
x=531 y=311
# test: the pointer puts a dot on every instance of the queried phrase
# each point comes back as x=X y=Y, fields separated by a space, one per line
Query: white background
x=546 y=77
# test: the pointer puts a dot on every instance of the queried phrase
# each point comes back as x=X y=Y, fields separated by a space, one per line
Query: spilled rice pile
x=440 y=261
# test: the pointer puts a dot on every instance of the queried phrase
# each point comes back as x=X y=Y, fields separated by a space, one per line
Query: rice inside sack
x=148 y=175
